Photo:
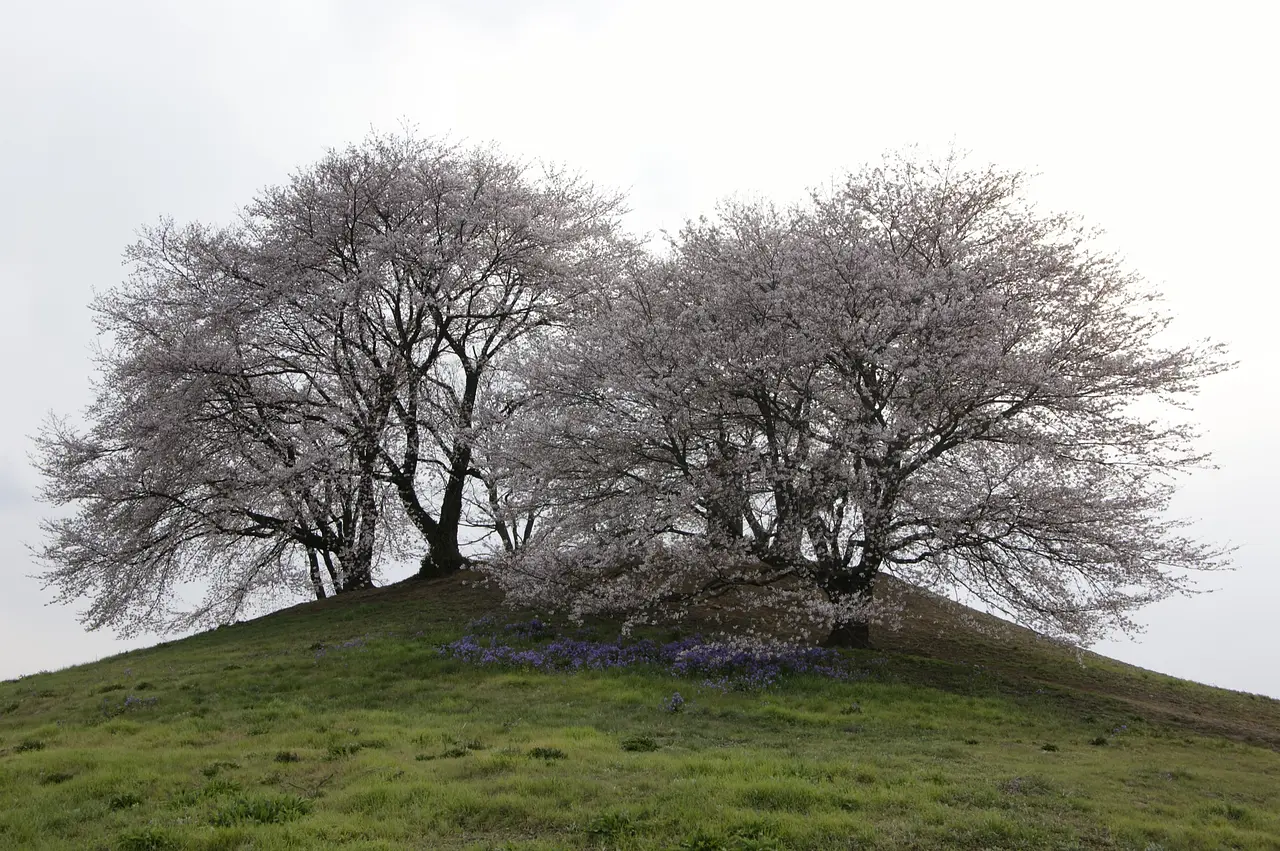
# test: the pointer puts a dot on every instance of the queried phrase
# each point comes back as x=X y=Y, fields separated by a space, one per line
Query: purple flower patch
x=725 y=665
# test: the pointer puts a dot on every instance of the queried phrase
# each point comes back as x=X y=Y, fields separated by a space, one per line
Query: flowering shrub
x=674 y=703
x=725 y=664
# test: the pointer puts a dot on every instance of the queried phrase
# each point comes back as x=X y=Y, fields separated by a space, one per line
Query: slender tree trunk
x=317 y=583
x=366 y=527
x=332 y=570
x=445 y=557
x=509 y=541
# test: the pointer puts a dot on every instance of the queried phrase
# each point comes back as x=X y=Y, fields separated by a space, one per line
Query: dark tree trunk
x=361 y=575
x=444 y=556
x=853 y=582
x=727 y=502
x=854 y=634
x=317 y=583
x=332 y=570
x=357 y=572
x=726 y=525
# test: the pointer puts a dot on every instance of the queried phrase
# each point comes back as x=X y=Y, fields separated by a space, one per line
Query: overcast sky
x=1155 y=121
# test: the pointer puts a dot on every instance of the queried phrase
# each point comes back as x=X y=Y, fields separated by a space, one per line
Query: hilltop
x=340 y=724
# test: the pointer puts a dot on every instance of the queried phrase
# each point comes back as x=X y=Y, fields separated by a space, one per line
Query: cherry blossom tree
x=915 y=373
x=304 y=385
x=431 y=264
x=213 y=456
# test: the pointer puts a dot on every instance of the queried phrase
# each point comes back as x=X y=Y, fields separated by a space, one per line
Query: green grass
x=273 y=735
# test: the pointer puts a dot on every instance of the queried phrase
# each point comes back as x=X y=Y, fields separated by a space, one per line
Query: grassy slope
x=337 y=724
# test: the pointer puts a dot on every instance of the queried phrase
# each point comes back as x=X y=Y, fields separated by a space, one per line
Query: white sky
x=1155 y=121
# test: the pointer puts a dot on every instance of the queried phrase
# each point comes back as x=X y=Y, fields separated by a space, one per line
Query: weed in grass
x=123 y=801
x=702 y=841
x=28 y=745
x=228 y=839
x=866 y=776
x=314 y=790
x=1230 y=812
x=261 y=810
x=750 y=841
x=639 y=744
x=1049 y=746
x=220 y=786
x=287 y=756
x=1031 y=785
x=213 y=768
x=147 y=839
x=755 y=842
x=548 y=754
x=977 y=797
x=612 y=827
x=456 y=750
x=55 y=777
x=1099 y=741
x=780 y=797
x=342 y=751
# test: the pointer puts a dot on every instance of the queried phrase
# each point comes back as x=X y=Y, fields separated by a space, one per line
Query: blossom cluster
x=735 y=665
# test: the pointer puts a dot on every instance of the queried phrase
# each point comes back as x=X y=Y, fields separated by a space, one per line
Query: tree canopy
x=914 y=372
x=310 y=381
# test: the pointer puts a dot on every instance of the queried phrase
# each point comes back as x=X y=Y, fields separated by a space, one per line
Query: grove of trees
x=417 y=349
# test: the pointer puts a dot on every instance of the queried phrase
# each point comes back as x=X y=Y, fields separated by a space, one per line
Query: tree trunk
x=853 y=634
x=361 y=575
x=331 y=570
x=850 y=583
x=317 y=583
x=357 y=574
x=444 y=556
x=726 y=524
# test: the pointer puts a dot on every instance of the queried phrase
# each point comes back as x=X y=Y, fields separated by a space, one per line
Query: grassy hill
x=340 y=724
